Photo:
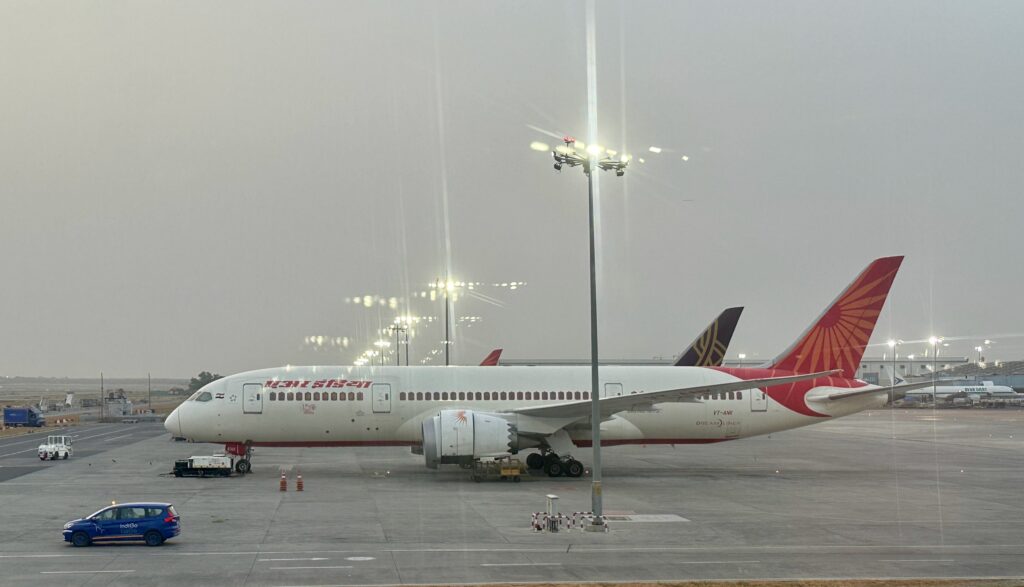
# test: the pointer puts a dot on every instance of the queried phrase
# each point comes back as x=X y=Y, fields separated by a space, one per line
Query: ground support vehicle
x=204 y=466
x=16 y=416
x=501 y=468
x=148 y=522
x=56 y=447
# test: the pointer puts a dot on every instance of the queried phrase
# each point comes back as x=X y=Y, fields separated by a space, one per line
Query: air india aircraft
x=457 y=415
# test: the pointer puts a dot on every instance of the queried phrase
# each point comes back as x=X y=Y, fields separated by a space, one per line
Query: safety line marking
x=917 y=560
x=521 y=564
x=116 y=438
x=296 y=568
x=79 y=572
x=83 y=438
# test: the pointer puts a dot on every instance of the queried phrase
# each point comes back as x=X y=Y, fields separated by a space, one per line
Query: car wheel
x=243 y=466
x=80 y=539
x=153 y=538
x=66 y=455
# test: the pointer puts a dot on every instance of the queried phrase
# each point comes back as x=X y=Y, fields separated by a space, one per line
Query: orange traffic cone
x=298 y=482
x=284 y=482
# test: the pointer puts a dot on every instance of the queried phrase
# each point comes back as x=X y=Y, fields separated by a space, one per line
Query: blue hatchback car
x=149 y=522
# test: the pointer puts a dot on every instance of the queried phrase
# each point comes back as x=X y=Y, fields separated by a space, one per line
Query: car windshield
x=98 y=512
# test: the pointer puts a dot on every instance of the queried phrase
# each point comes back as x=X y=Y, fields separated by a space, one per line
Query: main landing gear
x=554 y=465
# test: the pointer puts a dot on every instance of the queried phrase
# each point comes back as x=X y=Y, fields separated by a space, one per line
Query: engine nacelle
x=462 y=436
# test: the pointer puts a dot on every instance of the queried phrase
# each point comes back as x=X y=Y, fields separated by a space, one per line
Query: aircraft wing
x=897 y=392
x=611 y=405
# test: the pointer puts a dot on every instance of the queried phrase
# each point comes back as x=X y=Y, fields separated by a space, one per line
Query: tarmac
x=883 y=494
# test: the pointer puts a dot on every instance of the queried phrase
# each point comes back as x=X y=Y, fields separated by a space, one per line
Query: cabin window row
x=723 y=395
x=316 y=396
x=486 y=396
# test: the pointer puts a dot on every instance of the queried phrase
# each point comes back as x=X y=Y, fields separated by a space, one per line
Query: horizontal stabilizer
x=898 y=392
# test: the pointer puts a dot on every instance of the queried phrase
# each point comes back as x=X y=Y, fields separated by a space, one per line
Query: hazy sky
x=201 y=185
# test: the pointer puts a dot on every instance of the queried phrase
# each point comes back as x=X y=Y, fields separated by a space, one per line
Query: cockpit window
x=193 y=397
x=204 y=397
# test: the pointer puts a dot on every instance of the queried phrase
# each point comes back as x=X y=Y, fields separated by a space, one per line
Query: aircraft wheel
x=574 y=468
x=534 y=461
x=243 y=466
x=554 y=469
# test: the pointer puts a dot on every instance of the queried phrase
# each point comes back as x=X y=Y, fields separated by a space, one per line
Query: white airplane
x=456 y=415
x=987 y=391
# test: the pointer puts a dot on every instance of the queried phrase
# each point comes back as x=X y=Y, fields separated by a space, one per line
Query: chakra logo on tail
x=838 y=338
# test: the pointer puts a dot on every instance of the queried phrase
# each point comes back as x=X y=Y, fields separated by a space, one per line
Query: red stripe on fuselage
x=588 y=443
x=327 y=443
x=579 y=443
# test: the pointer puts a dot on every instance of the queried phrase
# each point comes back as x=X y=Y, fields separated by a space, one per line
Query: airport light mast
x=400 y=328
x=893 y=344
x=567 y=155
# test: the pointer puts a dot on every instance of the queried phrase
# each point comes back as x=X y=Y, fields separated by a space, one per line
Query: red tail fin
x=837 y=338
x=492 y=359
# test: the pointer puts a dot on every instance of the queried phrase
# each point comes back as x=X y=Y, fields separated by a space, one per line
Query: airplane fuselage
x=386 y=406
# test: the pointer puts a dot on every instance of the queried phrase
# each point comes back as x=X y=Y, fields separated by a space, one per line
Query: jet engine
x=462 y=436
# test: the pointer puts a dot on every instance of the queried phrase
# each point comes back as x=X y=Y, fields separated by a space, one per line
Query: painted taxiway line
x=78 y=439
x=267 y=560
x=297 y=568
x=116 y=438
x=1018 y=550
x=80 y=572
x=520 y=564
x=917 y=560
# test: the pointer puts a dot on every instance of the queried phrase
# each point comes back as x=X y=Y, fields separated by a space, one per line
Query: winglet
x=491 y=360
x=708 y=349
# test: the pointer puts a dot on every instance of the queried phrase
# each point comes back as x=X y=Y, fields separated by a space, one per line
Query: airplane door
x=612 y=389
x=252 y=398
x=758 y=400
x=380 y=395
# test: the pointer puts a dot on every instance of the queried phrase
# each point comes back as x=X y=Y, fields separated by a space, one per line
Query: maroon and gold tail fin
x=491 y=360
x=708 y=350
x=836 y=340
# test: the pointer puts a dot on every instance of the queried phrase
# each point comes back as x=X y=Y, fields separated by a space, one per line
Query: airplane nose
x=173 y=423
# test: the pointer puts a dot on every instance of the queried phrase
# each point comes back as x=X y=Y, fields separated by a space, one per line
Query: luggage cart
x=503 y=468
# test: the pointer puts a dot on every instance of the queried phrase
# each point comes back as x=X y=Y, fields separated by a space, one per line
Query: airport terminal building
x=876 y=370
